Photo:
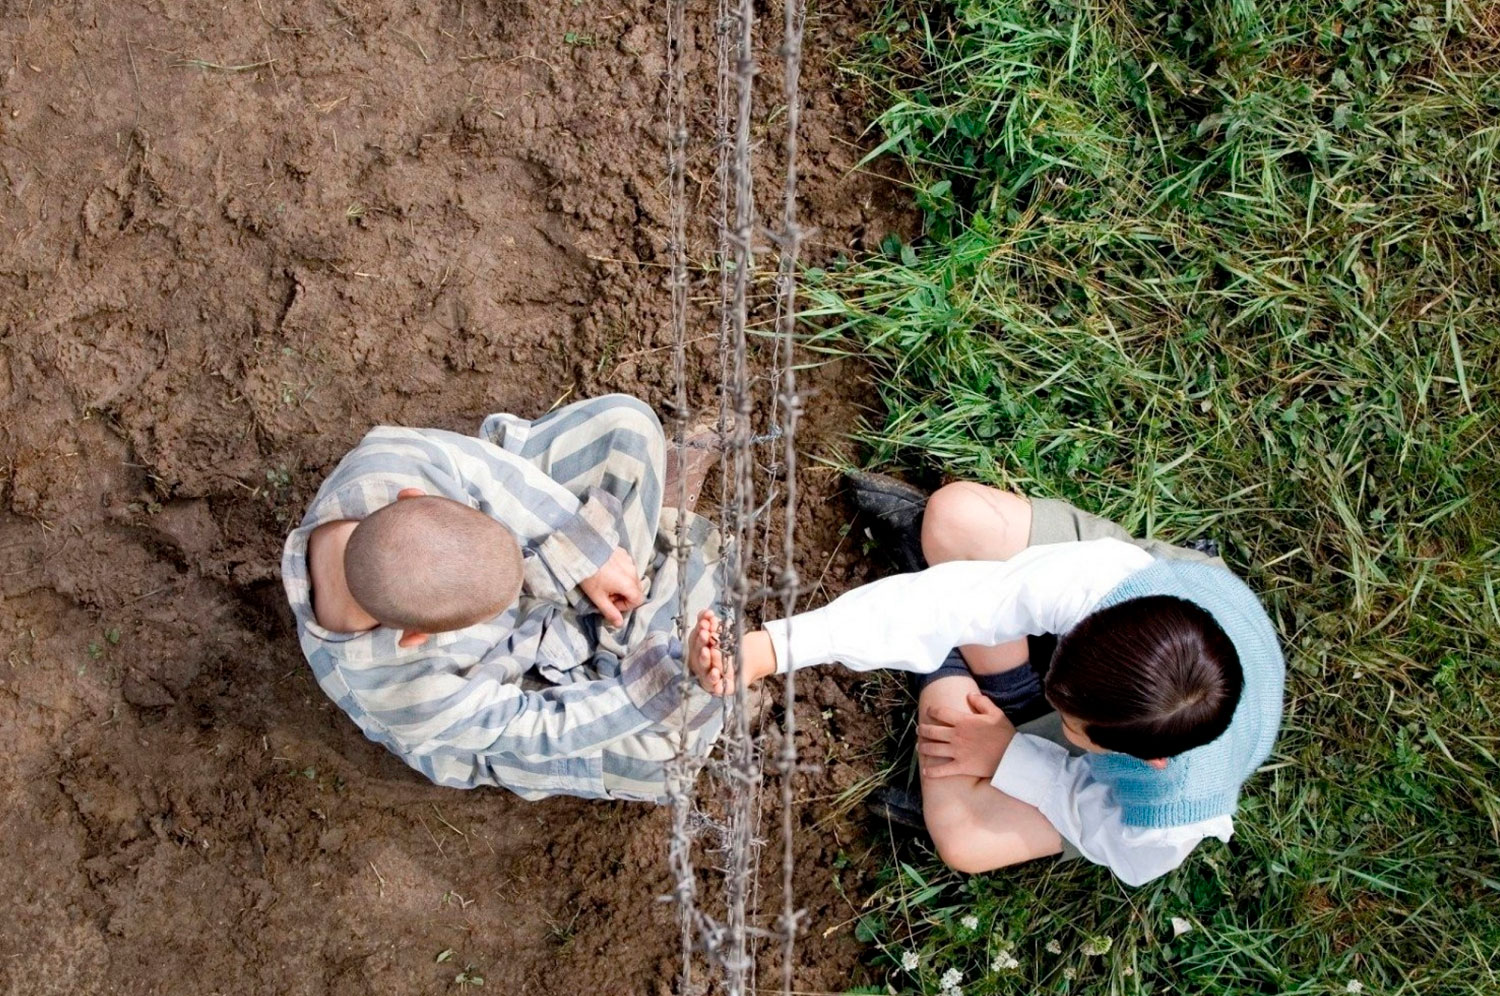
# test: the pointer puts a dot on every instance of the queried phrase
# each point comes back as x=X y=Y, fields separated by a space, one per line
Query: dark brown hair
x=1150 y=677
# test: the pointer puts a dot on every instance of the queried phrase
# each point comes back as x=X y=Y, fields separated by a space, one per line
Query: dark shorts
x=1018 y=692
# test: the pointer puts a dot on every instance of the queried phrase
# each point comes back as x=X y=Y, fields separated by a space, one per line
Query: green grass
x=1233 y=271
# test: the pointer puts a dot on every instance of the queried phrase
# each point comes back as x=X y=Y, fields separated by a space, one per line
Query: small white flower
x=1354 y=986
x=1096 y=946
x=910 y=960
x=1005 y=961
x=1070 y=973
x=1128 y=972
x=1054 y=946
x=951 y=979
x=1180 y=927
x=969 y=922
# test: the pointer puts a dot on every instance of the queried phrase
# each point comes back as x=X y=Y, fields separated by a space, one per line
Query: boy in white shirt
x=1166 y=678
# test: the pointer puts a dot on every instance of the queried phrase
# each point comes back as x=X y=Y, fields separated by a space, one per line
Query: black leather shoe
x=1207 y=547
x=895 y=509
x=902 y=807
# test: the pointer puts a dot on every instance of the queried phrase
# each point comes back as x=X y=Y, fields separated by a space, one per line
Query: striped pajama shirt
x=543 y=699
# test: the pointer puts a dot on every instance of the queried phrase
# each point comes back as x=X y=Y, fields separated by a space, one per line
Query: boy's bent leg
x=614 y=443
x=665 y=583
x=639 y=768
x=700 y=574
x=1054 y=521
x=974 y=826
x=967 y=521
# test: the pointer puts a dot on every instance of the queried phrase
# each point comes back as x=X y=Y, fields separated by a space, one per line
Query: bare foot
x=714 y=671
x=705 y=656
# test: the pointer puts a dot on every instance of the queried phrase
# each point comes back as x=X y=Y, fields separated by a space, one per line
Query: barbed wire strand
x=790 y=242
x=743 y=768
x=681 y=773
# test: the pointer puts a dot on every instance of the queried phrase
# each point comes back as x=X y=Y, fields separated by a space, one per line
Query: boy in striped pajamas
x=500 y=609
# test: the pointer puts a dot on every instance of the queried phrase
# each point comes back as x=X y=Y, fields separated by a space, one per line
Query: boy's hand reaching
x=616 y=588
x=964 y=742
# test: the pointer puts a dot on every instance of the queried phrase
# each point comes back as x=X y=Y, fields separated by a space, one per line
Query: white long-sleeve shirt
x=910 y=622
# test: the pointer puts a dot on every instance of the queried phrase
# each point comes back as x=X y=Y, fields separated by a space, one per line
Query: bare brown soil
x=234 y=237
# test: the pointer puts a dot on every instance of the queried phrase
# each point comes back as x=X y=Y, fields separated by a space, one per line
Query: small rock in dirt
x=187 y=525
x=145 y=693
x=828 y=695
x=636 y=40
x=651 y=64
x=101 y=210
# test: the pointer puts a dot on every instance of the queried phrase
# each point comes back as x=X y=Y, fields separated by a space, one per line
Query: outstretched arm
x=911 y=621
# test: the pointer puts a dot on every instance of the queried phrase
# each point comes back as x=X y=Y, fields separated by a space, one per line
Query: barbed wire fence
x=727 y=940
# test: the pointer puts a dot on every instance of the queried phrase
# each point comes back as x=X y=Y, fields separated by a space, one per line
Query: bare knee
x=961 y=858
x=966 y=847
x=953 y=837
x=968 y=521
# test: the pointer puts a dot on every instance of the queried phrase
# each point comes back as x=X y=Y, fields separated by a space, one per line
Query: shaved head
x=429 y=564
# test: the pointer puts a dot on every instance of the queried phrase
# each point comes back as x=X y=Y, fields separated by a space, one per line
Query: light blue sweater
x=1204 y=782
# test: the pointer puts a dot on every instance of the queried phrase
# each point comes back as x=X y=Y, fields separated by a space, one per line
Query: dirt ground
x=235 y=236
